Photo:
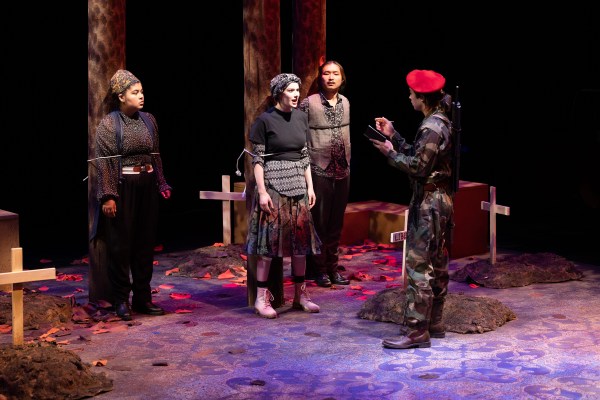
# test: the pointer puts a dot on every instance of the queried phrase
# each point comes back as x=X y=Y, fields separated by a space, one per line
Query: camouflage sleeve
x=401 y=145
x=421 y=163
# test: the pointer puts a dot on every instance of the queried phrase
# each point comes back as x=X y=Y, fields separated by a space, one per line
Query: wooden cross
x=16 y=278
x=494 y=209
x=400 y=236
x=226 y=196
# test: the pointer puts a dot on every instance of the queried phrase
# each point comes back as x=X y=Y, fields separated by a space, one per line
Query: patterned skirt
x=288 y=231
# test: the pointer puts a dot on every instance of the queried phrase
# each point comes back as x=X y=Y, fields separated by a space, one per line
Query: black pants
x=328 y=217
x=130 y=238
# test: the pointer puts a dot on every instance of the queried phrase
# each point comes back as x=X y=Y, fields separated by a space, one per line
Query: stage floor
x=219 y=349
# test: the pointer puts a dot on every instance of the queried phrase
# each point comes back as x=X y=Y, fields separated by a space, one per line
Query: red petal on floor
x=180 y=296
x=99 y=363
x=369 y=292
x=473 y=285
x=355 y=287
x=347 y=257
x=166 y=286
x=155 y=262
x=69 y=277
x=231 y=285
x=50 y=332
x=226 y=275
x=244 y=257
x=361 y=298
x=170 y=271
x=385 y=278
x=160 y=247
x=5 y=328
x=182 y=311
x=43 y=288
x=218 y=244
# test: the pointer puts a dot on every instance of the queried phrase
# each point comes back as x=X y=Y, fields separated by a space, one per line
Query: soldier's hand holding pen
x=384 y=125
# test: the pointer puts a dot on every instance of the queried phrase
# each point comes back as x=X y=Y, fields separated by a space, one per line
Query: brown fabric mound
x=38 y=309
x=212 y=260
x=462 y=314
x=518 y=270
x=46 y=372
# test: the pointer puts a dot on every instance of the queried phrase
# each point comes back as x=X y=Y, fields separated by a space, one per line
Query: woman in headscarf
x=280 y=223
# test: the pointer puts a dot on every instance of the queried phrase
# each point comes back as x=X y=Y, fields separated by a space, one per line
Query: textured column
x=262 y=61
x=309 y=45
x=106 y=54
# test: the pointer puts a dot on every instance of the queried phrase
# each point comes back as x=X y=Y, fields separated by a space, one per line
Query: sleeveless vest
x=319 y=139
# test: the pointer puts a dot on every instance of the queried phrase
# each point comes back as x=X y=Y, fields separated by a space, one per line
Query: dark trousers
x=130 y=238
x=328 y=217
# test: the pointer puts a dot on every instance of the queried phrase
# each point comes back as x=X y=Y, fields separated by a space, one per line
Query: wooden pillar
x=262 y=61
x=309 y=26
x=106 y=54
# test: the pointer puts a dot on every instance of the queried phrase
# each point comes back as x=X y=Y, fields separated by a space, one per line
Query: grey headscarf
x=281 y=82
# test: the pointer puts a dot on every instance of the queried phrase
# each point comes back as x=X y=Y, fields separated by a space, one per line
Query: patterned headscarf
x=281 y=82
x=121 y=80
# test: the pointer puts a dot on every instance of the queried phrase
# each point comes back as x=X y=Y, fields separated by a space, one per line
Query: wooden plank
x=27 y=276
x=16 y=256
x=494 y=209
x=234 y=196
x=16 y=279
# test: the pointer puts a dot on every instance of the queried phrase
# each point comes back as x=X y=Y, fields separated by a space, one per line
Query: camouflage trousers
x=427 y=254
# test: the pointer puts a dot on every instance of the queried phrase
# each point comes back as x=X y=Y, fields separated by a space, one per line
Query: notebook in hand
x=373 y=133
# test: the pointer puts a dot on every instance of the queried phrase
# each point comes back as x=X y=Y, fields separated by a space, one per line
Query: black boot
x=123 y=311
x=437 y=329
x=415 y=334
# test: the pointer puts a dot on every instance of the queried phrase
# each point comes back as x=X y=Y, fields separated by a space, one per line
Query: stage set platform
x=211 y=345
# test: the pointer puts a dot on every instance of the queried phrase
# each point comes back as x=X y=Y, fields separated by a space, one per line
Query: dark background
x=528 y=82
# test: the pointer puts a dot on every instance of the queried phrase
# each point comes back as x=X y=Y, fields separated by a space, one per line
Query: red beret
x=425 y=81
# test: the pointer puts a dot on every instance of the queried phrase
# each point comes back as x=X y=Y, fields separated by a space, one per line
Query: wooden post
x=106 y=54
x=276 y=270
x=494 y=209
x=227 y=196
x=16 y=279
x=401 y=237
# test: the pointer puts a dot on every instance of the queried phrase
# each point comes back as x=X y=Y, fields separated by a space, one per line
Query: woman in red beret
x=428 y=163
